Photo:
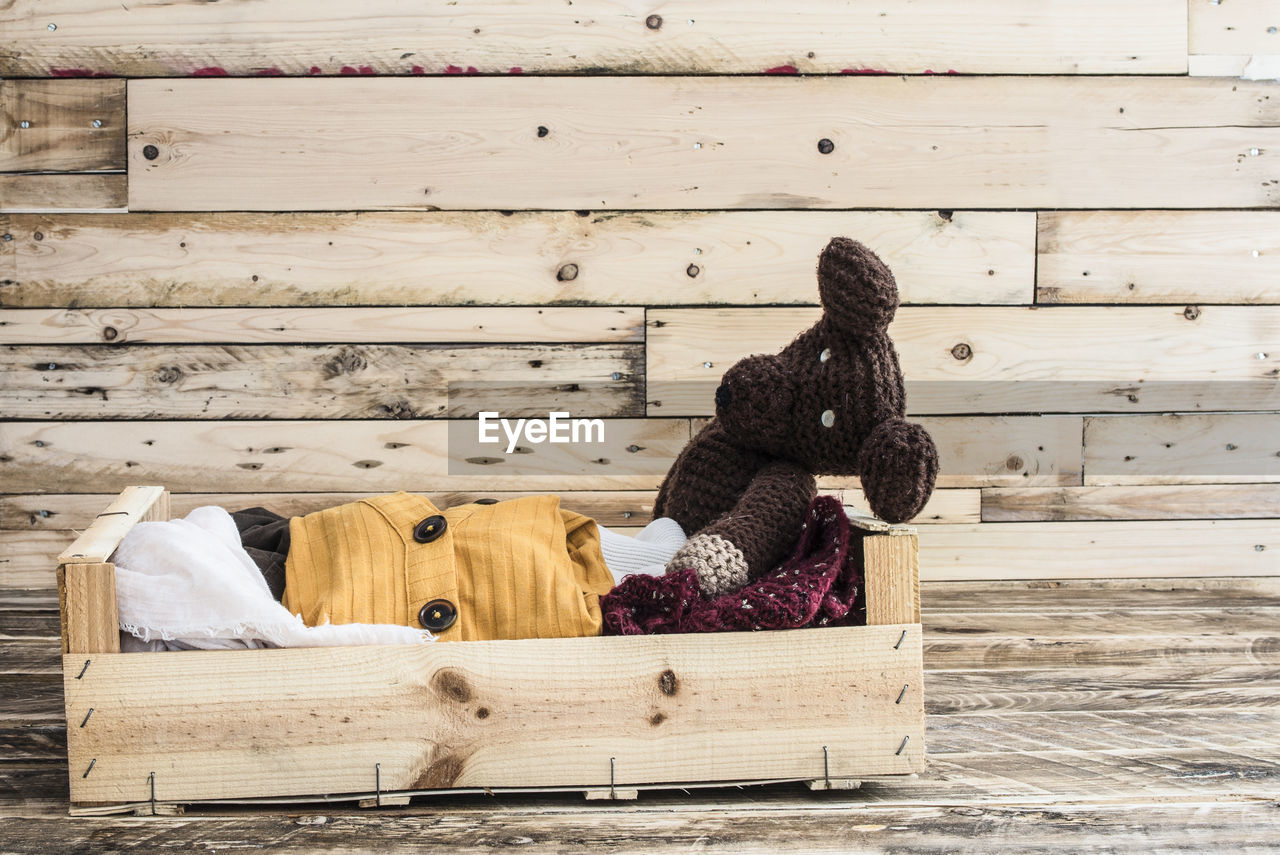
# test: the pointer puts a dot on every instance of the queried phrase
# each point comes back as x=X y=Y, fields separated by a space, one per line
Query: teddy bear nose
x=723 y=395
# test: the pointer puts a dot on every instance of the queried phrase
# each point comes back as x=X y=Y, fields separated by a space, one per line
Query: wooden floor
x=1064 y=717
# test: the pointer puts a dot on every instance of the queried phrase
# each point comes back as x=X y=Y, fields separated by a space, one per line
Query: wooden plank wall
x=245 y=259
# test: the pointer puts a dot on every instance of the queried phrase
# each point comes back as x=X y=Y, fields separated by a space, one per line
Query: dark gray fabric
x=265 y=536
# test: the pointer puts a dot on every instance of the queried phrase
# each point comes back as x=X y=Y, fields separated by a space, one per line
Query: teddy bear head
x=833 y=401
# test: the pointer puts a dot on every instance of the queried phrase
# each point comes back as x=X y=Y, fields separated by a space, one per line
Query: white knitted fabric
x=721 y=566
x=188 y=584
x=647 y=552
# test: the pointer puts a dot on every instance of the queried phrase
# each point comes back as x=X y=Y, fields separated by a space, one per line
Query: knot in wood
x=1191 y=312
x=169 y=374
x=962 y=351
x=567 y=272
x=667 y=682
x=653 y=22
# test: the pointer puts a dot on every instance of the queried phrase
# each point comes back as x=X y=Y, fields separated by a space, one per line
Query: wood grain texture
x=60 y=135
x=427 y=456
x=403 y=258
x=552 y=714
x=1058 y=596
x=1100 y=550
x=347 y=381
x=1151 y=502
x=891 y=573
x=133 y=505
x=28 y=559
x=422 y=324
x=705 y=822
x=719 y=37
x=342 y=456
x=1240 y=27
x=1183 y=257
x=99 y=192
x=90 y=617
x=1172 y=449
x=1016 y=360
x=672 y=142
x=1239 y=687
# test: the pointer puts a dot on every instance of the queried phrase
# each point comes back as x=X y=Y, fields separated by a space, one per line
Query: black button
x=486 y=501
x=430 y=528
x=438 y=615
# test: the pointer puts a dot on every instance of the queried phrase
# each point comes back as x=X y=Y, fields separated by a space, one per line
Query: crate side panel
x=548 y=712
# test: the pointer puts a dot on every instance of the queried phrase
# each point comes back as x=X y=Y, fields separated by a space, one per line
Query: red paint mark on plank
x=782 y=69
x=864 y=71
x=209 y=71
x=515 y=69
x=315 y=69
x=457 y=69
x=417 y=69
x=364 y=69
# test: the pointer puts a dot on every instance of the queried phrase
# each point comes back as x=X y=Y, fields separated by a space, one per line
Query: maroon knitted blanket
x=818 y=586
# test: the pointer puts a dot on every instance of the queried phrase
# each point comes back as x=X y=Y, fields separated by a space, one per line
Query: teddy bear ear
x=858 y=292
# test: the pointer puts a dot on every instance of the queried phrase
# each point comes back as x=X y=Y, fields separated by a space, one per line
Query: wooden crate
x=608 y=716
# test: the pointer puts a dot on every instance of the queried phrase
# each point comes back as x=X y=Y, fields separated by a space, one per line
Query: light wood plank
x=400 y=258
x=1241 y=27
x=28 y=559
x=1151 y=502
x=47 y=512
x=492 y=713
x=108 y=528
x=50 y=511
x=60 y=135
x=99 y=192
x=328 y=381
x=1100 y=550
x=427 y=324
x=1174 y=449
x=987 y=359
x=340 y=456
x=708 y=36
x=703 y=822
x=90 y=617
x=891 y=575
x=729 y=142
x=257 y=456
x=1255 y=67
x=1158 y=257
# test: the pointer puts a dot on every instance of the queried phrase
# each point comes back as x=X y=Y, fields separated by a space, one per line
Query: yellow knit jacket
x=522 y=568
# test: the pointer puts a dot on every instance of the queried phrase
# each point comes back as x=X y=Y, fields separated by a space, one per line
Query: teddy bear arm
x=898 y=465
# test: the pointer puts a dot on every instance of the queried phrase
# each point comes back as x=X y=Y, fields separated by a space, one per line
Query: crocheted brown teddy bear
x=831 y=403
